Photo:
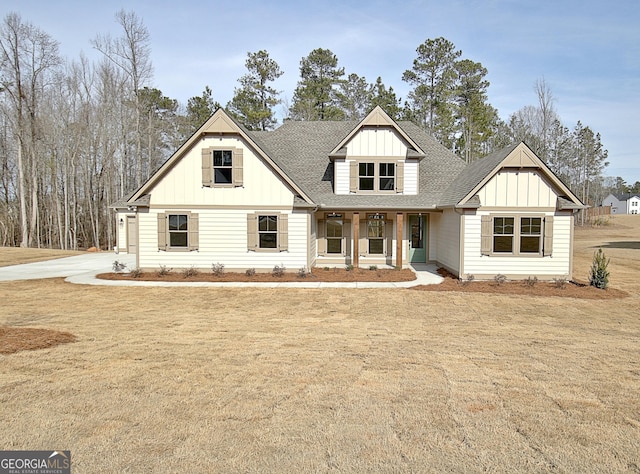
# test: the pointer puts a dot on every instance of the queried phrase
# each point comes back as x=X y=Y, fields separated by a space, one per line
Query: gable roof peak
x=376 y=118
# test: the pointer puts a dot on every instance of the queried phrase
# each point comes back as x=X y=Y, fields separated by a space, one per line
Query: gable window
x=387 y=173
x=517 y=235
x=223 y=166
x=267 y=232
x=366 y=173
x=178 y=231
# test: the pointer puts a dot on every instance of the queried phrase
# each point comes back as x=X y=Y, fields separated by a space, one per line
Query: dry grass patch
x=343 y=380
x=15 y=339
x=19 y=255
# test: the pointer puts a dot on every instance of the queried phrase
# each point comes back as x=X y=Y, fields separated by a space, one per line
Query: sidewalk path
x=82 y=269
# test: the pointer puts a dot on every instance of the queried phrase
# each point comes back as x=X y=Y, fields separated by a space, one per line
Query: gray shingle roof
x=302 y=151
x=472 y=175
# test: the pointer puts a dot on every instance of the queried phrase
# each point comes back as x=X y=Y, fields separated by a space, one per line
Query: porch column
x=399 y=220
x=356 y=239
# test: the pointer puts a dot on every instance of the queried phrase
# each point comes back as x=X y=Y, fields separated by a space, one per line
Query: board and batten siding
x=223 y=239
x=376 y=143
x=558 y=264
x=444 y=246
x=518 y=189
x=182 y=185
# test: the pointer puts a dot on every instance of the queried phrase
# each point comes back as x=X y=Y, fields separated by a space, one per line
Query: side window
x=516 y=235
x=178 y=231
x=503 y=234
x=268 y=232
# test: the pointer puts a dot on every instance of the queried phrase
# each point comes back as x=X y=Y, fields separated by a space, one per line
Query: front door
x=132 y=235
x=417 y=248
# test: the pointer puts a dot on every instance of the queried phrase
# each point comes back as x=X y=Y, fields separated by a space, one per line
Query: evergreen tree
x=253 y=102
x=433 y=75
x=317 y=96
x=199 y=109
x=355 y=97
x=386 y=98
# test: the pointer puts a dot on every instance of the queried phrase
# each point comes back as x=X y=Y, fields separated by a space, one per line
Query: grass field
x=291 y=380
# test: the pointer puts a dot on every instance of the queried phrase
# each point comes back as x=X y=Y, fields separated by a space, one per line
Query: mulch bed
x=15 y=339
x=316 y=275
x=571 y=289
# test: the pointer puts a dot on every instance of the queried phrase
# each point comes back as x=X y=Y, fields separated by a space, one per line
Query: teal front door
x=417 y=247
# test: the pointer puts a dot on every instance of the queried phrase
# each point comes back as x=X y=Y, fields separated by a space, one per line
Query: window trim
x=253 y=232
x=164 y=234
x=545 y=237
x=208 y=170
x=376 y=161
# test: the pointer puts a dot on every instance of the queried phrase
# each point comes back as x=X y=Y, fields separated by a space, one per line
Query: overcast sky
x=587 y=51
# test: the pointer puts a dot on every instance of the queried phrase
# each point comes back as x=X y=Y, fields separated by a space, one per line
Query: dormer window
x=375 y=176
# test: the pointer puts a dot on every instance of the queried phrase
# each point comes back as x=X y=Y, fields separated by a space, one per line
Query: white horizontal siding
x=444 y=247
x=223 y=239
x=341 y=170
x=411 y=177
x=559 y=263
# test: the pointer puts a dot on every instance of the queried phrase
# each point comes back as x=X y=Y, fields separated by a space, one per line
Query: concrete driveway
x=88 y=264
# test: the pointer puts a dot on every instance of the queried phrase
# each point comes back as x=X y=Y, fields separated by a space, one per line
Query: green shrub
x=599 y=274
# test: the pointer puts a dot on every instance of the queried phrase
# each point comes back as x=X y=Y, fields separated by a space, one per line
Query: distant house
x=322 y=194
x=623 y=203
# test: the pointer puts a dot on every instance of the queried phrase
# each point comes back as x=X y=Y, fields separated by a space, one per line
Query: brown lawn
x=18 y=255
x=342 y=380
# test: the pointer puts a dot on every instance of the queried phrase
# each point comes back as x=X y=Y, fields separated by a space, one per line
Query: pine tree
x=252 y=104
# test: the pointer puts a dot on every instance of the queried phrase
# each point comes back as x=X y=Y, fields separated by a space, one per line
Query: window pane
x=386 y=184
x=177 y=239
x=529 y=244
x=177 y=222
x=268 y=223
x=503 y=225
x=375 y=229
x=376 y=246
x=334 y=228
x=503 y=244
x=387 y=169
x=366 y=184
x=334 y=245
x=366 y=169
x=222 y=175
x=268 y=240
x=222 y=157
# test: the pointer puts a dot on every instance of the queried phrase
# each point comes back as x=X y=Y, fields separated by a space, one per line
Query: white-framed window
x=268 y=232
x=376 y=234
x=376 y=176
x=334 y=233
x=222 y=167
x=504 y=235
x=178 y=231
